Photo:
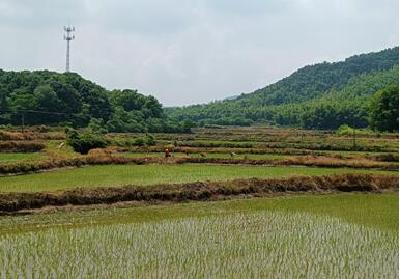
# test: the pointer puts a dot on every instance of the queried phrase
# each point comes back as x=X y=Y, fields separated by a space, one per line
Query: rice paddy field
x=120 y=175
x=276 y=237
x=319 y=234
x=17 y=157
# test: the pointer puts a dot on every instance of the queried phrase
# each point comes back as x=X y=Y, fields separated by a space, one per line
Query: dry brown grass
x=30 y=135
x=312 y=161
x=100 y=152
x=319 y=161
x=12 y=202
x=104 y=157
x=21 y=146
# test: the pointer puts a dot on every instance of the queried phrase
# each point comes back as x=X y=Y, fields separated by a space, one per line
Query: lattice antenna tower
x=68 y=36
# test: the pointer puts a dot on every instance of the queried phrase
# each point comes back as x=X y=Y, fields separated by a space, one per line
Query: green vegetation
x=346 y=130
x=292 y=235
x=117 y=175
x=322 y=96
x=18 y=157
x=377 y=211
x=157 y=231
x=384 y=108
x=83 y=142
x=248 y=146
x=67 y=99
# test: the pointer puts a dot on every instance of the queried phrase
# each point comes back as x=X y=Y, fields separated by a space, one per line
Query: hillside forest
x=361 y=92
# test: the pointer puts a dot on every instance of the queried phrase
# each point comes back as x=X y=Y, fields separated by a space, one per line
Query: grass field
x=117 y=175
x=378 y=211
x=328 y=236
x=18 y=157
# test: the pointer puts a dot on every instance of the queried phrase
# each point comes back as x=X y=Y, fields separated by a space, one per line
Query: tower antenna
x=68 y=36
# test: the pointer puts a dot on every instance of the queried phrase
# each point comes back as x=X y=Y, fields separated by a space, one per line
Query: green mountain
x=320 y=96
x=50 y=98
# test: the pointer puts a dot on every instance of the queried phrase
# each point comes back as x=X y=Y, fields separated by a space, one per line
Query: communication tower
x=68 y=36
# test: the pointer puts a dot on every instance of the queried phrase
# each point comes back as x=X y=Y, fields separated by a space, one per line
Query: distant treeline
x=55 y=99
x=361 y=91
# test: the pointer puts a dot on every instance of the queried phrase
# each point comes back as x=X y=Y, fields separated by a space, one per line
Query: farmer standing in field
x=167 y=153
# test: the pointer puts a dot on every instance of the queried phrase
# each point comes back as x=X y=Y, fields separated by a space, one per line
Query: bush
x=149 y=140
x=139 y=142
x=83 y=142
x=344 y=130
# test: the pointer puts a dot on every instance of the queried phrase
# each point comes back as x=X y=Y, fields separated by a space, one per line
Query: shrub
x=149 y=140
x=344 y=130
x=139 y=142
x=83 y=142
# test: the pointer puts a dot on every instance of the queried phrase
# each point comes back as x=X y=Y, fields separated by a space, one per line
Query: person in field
x=167 y=153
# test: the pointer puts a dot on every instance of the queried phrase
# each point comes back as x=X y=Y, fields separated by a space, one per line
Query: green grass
x=378 y=211
x=117 y=175
x=18 y=157
x=317 y=236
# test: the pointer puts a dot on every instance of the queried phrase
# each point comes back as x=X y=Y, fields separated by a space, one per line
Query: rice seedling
x=297 y=236
x=118 y=175
x=254 y=245
x=378 y=211
x=18 y=157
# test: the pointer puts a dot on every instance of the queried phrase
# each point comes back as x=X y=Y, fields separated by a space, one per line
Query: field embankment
x=21 y=146
x=12 y=202
x=311 y=161
x=155 y=174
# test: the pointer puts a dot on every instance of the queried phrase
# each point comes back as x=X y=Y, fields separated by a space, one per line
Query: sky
x=188 y=52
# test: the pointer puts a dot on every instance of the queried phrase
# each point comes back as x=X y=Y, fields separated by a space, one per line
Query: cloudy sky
x=186 y=52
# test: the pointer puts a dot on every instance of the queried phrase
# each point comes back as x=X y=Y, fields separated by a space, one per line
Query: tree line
x=361 y=91
x=50 y=98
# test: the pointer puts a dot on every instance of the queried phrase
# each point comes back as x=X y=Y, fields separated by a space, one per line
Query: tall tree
x=384 y=109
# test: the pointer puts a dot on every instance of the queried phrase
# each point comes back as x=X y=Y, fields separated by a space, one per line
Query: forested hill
x=320 y=96
x=51 y=98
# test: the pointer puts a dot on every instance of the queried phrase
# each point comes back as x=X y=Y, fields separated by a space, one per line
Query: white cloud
x=194 y=51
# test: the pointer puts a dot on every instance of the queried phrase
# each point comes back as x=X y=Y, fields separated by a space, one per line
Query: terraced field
x=120 y=175
x=227 y=202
